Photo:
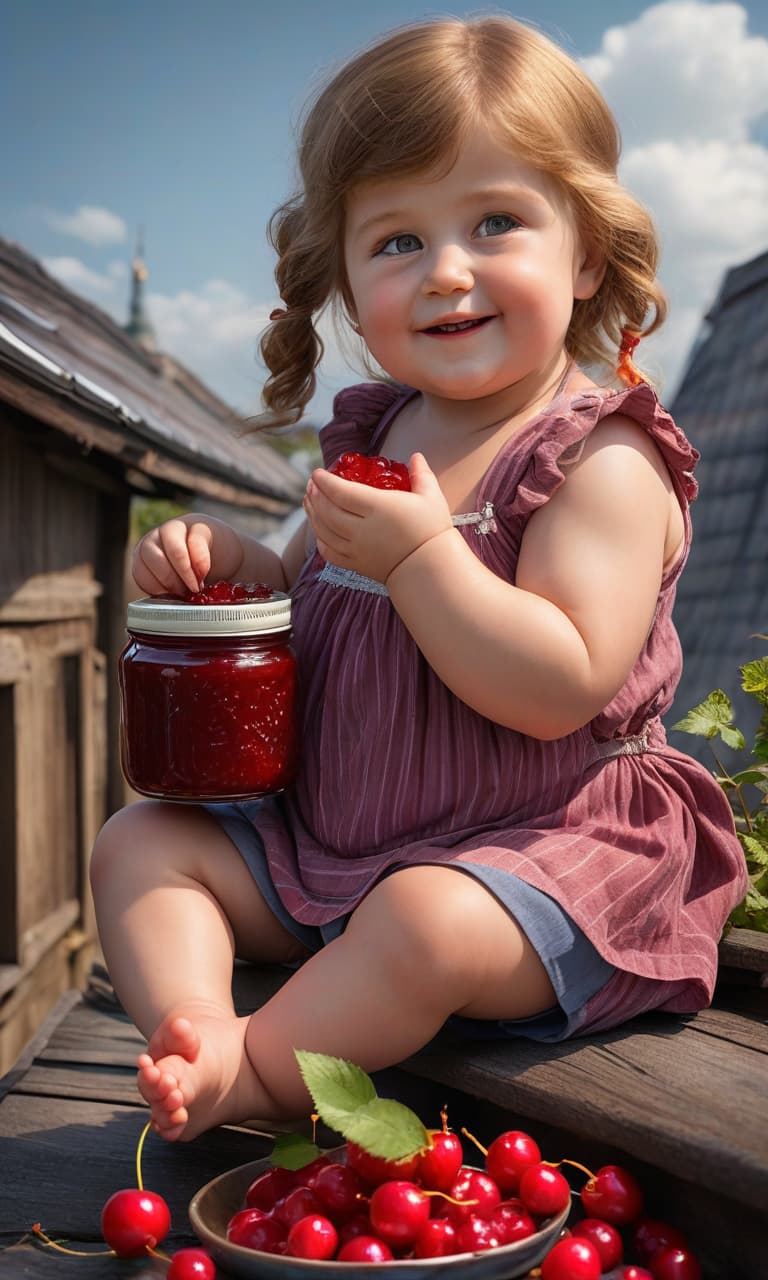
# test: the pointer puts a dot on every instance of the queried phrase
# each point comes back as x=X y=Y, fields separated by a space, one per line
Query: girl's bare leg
x=174 y=903
x=426 y=942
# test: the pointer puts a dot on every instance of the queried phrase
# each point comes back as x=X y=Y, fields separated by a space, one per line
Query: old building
x=722 y=406
x=89 y=417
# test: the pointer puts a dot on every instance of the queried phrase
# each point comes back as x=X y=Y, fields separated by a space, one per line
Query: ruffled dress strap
x=360 y=413
x=559 y=443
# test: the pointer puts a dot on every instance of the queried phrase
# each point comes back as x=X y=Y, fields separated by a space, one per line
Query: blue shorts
x=576 y=970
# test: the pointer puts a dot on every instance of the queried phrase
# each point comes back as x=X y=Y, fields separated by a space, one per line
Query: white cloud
x=95 y=225
x=684 y=69
x=687 y=84
x=77 y=276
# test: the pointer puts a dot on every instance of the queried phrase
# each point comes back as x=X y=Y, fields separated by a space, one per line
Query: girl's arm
x=181 y=553
x=548 y=654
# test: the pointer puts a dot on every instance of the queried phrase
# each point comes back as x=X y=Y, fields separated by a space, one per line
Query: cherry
x=133 y=1221
x=252 y=1232
x=306 y=1177
x=379 y=472
x=439 y=1165
x=375 y=1169
x=360 y=1225
x=634 y=1273
x=612 y=1194
x=475 y=1235
x=571 y=1259
x=313 y=1237
x=543 y=1190
x=265 y=1191
x=513 y=1221
x=605 y=1238
x=398 y=1212
x=509 y=1156
x=191 y=1264
x=435 y=1239
x=477 y=1188
x=297 y=1205
x=671 y=1263
x=339 y=1188
x=365 y=1249
x=650 y=1235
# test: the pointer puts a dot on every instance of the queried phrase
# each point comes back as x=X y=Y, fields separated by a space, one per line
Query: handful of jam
x=380 y=473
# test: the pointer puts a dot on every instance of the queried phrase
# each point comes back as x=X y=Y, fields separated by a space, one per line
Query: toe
x=174 y=1037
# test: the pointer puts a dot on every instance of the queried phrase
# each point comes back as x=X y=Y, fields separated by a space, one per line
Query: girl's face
x=463 y=285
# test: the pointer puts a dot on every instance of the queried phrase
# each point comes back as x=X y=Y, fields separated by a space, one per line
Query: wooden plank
x=687 y=1102
x=62 y=1158
x=745 y=949
x=115 y=1086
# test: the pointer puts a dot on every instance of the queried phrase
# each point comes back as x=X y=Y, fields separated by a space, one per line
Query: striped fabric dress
x=633 y=838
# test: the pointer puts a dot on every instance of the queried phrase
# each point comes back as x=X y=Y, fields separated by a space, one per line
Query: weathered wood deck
x=684 y=1102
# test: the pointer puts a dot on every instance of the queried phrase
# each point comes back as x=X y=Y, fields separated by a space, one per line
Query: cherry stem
x=445 y=1196
x=314 y=1118
x=158 y=1253
x=472 y=1138
x=139 y=1150
x=555 y=1164
x=444 y=1119
x=74 y=1253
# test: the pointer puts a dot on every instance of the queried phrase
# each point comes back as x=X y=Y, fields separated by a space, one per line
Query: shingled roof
x=722 y=406
x=67 y=363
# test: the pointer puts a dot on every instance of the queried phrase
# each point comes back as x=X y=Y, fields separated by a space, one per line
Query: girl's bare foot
x=196 y=1074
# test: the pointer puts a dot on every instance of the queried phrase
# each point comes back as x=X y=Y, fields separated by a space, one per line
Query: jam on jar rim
x=158 y=616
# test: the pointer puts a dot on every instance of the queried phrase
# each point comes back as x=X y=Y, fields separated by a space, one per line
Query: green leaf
x=292 y=1151
x=336 y=1086
x=754 y=678
x=760 y=749
x=386 y=1128
x=733 y=738
x=755 y=849
x=754 y=776
x=346 y=1100
x=712 y=716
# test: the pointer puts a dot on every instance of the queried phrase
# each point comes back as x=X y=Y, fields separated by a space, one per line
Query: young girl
x=489 y=826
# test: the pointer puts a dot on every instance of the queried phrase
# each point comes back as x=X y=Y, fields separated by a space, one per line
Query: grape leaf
x=712 y=716
x=292 y=1151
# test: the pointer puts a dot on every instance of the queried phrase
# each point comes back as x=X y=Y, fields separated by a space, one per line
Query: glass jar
x=209 y=699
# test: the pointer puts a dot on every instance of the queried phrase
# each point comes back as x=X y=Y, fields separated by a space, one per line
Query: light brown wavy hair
x=404 y=106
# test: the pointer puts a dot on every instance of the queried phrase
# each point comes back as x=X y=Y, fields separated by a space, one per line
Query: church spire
x=139 y=326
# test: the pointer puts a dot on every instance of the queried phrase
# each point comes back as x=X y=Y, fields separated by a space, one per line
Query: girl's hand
x=180 y=554
x=374 y=530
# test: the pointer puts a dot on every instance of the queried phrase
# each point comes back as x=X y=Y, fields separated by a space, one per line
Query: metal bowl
x=214 y=1204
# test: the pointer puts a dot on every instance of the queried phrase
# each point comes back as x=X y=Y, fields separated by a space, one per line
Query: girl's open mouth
x=461 y=326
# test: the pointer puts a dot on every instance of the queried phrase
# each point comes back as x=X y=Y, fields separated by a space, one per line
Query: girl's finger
x=347 y=495
x=173 y=539
x=146 y=580
x=326 y=516
x=151 y=560
x=199 y=542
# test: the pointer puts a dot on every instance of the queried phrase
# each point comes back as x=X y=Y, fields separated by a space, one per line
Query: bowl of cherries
x=426 y=1215
x=398 y=1200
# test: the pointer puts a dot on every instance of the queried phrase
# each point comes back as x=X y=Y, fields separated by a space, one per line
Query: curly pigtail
x=291 y=347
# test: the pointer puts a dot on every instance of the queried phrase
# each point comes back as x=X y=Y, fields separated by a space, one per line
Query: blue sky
x=178 y=115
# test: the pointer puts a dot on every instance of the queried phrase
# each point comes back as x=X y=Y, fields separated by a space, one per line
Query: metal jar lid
x=159 y=616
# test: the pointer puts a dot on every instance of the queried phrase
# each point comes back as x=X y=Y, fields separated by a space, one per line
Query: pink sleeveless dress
x=634 y=839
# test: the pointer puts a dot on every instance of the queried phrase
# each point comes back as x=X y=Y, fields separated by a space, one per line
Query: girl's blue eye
x=497 y=224
x=400 y=244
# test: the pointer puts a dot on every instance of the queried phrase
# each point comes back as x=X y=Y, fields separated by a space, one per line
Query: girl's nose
x=449 y=269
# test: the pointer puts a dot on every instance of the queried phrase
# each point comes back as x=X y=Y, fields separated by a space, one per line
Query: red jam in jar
x=209 y=699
